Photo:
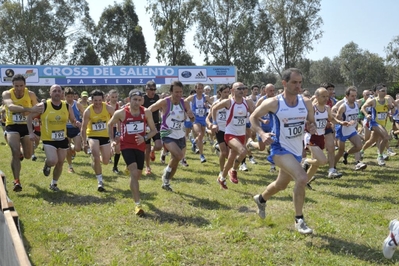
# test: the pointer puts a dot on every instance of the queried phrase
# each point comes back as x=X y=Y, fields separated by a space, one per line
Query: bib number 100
x=293 y=131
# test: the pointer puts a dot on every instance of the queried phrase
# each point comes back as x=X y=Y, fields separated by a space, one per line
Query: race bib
x=98 y=126
x=239 y=120
x=18 y=118
x=293 y=130
x=321 y=123
x=200 y=112
x=381 y=116
x=135 y=127
x=222 y=116
x=57 y=135
x=176 y=125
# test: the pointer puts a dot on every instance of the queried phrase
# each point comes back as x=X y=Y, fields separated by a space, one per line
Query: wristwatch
x=145 y=138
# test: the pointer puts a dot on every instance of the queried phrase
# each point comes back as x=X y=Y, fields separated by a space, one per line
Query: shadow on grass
x=203 y=202
x=345 y=248
x=363 y=197
x=165 y=217
x=26 y=242
x=63 y=196
x=127 y=193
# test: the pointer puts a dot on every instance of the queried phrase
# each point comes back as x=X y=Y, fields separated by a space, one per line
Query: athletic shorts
x=37 y=133
x=72 y=132
x=200 y=121
x=59 y=144
x=220 y=136
x=328 y=130
x=103 y=140
x=188 y=124
x=133 y=156
x=276 y=149
x=314 y=140
x=157 y=136
x=342 y=138
x=181 y=143
x=22 y=129
x=228 y=137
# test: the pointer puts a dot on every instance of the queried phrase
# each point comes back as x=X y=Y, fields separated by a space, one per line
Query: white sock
x=99 y=178
x=331 y=170
x=168 y=169
x=137 y=203
x=54 y=182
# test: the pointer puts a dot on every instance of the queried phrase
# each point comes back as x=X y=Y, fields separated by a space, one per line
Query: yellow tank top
x=381 y=112
x=18 y=118
x=54 y=122
x=97 y=126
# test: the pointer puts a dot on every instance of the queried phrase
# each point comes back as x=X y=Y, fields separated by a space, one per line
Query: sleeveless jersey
x=221 y=117
x=54 y=119
x=76 y=113
x=321 y=119
x=131 y=127
x=150 y=101
x=331 y=102
x=236 y=118
x=380 y=112
x=288 y=125
x=350 y=115
x=25 y=101
x=97 y=126
x=173 y=120
x=199 y=108
x=266 y=127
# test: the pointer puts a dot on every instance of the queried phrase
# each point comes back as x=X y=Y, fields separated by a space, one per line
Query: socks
x=99 y=178
x=116 y=160
x=54 y=182
x=298 y=217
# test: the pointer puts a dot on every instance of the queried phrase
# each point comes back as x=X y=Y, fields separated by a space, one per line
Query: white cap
x=207 y=87
x=392 y=240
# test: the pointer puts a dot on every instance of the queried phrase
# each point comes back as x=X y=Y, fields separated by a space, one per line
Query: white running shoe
x=302 y=227
x=261 y=207
x=243 y=167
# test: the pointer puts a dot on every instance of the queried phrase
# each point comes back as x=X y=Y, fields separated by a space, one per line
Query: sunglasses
x=240 y=88
x=152 y=89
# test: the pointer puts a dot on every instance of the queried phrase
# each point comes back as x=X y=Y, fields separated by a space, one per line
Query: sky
x=369 y=23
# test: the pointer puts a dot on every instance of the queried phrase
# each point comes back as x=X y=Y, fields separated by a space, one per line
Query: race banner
x=117 y=75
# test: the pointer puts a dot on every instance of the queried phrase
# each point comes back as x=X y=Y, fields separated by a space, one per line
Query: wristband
x=214 y=123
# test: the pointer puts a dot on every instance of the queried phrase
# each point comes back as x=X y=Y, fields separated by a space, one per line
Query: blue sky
x=369 y=23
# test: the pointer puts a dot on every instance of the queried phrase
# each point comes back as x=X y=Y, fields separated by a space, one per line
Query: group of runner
x=288 y=124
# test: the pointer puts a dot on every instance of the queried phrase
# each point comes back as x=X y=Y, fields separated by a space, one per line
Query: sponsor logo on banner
x=190 y=75
x=30 y=74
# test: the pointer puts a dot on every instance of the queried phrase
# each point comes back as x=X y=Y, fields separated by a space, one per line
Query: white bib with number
x=135 y=127
x=58 y=135
x=19 y=118
x=98 y=126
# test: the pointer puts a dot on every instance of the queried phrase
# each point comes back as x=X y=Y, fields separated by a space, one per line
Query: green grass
x=200 y=224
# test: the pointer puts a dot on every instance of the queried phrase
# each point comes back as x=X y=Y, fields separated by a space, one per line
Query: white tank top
x=221 y=117
x=289 y=125
x=236 y=118
x=321 y=120
x=350 y=115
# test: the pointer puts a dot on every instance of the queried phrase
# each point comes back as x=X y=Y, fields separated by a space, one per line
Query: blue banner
x=117 y=75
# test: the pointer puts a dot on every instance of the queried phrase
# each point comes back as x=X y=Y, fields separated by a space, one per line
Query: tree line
x=260 y=37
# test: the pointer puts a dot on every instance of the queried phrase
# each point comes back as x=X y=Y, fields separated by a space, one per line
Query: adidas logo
x=200 y=75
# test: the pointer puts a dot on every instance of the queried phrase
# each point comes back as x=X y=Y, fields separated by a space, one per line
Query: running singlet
x=288 y=125
x=221 y=117
x=131 y=127
x=350 y=115
x=76 y=113
x=54 y=119
x=97 y=126
x=199 y=108
x=150 y=101
x=266 y=127
x=321 y=119
x=173 y=120
x=236 y=118
x=18 y=118
x=380 y=112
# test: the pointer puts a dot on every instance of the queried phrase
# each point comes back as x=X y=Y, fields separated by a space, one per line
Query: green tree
x=326 y=70
x=84 y=53
x=392 y=58
x=361 y=67
x=295 y=26
x=38 y=32
x=228 y=33
x=120 y=37
x=171 y=19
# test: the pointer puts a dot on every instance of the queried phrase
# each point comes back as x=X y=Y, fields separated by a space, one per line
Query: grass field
x=200 y=224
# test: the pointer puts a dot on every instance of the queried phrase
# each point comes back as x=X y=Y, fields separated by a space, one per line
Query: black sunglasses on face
x=241 y=88
x=152 y=89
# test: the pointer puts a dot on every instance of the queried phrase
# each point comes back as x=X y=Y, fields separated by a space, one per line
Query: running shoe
x=222 y=182
x=46 y=169
x=243 y=167
x=233 y=176
x=184 y=162
x=138 y=210
x=70 y=170
x=345 y=160
x=202 y=158
x=261 y=207
x=302 y=227
x=34 y=158
x=100 y=187
x=17 y=186
x=54 y=187
x=252 y=160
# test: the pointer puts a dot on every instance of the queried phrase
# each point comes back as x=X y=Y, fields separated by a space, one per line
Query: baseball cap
x=84 y=94
x=390 y=243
